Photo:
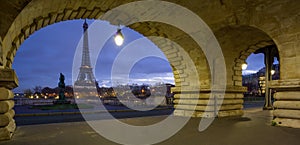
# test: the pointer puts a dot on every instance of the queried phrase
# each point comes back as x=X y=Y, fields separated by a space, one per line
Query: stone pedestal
x=207 y=105
x=287 y=103
x=8 y=81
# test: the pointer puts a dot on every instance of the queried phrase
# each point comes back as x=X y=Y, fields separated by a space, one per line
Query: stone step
x=209 y=102
x=287 y=104
x=6 y=118
x=287 y=122
x=7 y=131
x=6 y=105
x=208 y=114
x=209 y=108
x=6 y=94
x=283 y=113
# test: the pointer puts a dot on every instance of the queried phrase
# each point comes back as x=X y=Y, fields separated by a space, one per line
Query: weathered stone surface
x=227 y=113
x=178 y=112
x=282 y=113
x=1 y=52
x=7 y=131
x=287 y=104
x=208 y=95
x=208 y=114
x=8 y=78
x=287 y=122
x=287 y=95
x=6 y=118
x=210 y=107
x=286 y=85
x=5 y=106
x=209 y=102
x=5 y=94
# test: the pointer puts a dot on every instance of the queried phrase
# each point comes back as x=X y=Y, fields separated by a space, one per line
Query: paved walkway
x=26 y=111
x=253 y=129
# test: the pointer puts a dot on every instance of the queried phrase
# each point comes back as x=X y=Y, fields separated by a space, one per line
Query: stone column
x=8 y=81
x=287 y=103
x=206 y=105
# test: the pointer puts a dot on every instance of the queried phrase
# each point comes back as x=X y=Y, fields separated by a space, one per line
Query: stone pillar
x=206 y=106
x=287 y=103
x=1 y=53
x=8 y=81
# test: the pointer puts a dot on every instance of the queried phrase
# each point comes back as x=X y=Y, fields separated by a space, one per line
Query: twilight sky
x=52 y=49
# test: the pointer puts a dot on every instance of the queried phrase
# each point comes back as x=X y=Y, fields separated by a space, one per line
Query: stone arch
x=242 y=58
x=37 y=15
x=172 y=53
x=238 y=42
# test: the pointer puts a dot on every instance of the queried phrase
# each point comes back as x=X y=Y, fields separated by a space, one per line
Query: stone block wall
x=287 y=103
x=208 y=103
x=8 y=81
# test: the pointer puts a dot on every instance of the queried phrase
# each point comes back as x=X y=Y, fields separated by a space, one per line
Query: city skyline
x=51 y=51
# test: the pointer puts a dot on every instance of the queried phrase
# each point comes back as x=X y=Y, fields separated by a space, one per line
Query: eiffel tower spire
x=85 y=76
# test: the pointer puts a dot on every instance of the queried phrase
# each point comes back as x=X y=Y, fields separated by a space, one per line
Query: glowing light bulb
x=244 y=66
x=119 y=38
x=272 y=72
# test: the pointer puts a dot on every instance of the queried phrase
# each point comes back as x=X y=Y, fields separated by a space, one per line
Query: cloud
x=247 y=72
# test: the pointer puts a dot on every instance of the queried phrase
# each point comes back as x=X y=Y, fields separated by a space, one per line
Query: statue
x=62 y=87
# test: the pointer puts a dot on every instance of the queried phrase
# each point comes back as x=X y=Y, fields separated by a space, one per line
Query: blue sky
x=255 y=63
x=51 y=50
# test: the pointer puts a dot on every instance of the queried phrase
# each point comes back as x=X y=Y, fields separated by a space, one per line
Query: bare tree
x=37 y=89
x=27 y=93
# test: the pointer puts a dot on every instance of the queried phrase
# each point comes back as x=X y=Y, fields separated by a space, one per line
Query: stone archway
x=243 y=56
x=23 y=27
x=278 y=20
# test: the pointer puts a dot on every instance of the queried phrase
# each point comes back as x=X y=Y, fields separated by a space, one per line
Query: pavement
x=254 y=128
x=65 y=117
x=26 y=110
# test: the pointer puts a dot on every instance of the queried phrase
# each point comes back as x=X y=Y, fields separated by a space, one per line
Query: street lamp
x=119 y=38
x=272 y=72
x=244 y=66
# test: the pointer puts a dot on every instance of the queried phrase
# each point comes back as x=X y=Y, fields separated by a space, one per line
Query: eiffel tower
x=85 y=78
